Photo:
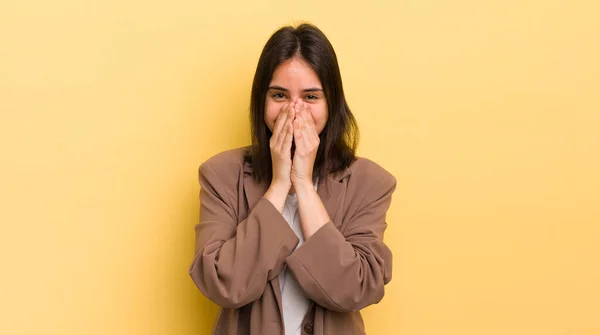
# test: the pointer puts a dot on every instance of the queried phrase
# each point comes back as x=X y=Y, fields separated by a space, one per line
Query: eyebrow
x=312 y=89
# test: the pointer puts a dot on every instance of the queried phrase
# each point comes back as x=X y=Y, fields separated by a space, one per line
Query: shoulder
x=369 y=185
x=366 y=171
x=369 y=191
x=226 y=164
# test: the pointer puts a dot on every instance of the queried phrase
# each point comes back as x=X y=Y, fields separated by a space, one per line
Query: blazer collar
x=329 y=190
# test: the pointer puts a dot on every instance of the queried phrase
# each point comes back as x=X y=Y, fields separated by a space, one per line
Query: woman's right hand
x=281 y=156
x=281 y=146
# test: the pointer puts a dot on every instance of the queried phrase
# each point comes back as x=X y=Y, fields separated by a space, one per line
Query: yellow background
x=487 y=112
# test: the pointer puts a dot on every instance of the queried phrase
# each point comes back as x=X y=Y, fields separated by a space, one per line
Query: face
x=295 y=79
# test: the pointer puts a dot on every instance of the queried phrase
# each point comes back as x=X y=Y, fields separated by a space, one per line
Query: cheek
x=320 y=116
x=271 y=113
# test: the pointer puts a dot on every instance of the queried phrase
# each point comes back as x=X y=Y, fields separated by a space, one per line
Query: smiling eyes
x=281 y=96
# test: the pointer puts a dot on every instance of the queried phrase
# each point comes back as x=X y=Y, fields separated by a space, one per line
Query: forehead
x=295 y=72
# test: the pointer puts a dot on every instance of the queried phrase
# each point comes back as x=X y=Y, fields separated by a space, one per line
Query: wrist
x=304 y=186
x=279 y=187
x=277 y=194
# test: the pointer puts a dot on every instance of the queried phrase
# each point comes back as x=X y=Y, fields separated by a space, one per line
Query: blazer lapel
x=254 y=191
x=331 y=190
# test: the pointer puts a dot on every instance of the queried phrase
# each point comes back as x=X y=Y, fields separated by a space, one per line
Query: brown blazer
x=243 y=242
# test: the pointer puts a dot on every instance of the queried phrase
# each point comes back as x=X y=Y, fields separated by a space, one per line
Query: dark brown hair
x=339 y=138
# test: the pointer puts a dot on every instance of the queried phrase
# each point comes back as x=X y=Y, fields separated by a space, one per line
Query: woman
x=290 y=239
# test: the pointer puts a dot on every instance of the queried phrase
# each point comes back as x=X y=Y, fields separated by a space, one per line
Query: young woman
x=290 y=238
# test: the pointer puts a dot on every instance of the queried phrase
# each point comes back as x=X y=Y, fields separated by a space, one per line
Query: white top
x=294 y=302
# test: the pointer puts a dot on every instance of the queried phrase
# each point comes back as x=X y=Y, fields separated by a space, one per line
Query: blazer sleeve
x=347 y=271
x=233 y=262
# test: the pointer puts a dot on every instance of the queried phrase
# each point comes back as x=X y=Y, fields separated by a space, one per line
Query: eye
x=312 y=97
x=278 y=95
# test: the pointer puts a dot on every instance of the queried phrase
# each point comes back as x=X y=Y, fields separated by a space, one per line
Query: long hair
x=339 y=138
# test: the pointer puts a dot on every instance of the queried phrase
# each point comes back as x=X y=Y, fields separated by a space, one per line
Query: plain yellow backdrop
x=487 y=113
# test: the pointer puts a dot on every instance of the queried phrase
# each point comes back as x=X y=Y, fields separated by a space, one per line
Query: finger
x=307 y=136
x=289 y=136
x=300 y=122
x=297 y=133
x=300 y=110
x=308 y=126
x=281 y=117
x=311 y=125
x=287 y=128
x=281 y=136
x=308 y=114
x=305 y=120
x=308 y=120
x=315 y=137
x=279 y=123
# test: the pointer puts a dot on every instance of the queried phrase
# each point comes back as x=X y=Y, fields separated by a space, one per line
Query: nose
x=294 y=101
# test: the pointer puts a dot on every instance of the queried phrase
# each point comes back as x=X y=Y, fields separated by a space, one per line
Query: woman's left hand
x=307 y=142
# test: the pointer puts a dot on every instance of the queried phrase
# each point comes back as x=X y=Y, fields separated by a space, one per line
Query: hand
x=306 y=140
x=281 y=145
